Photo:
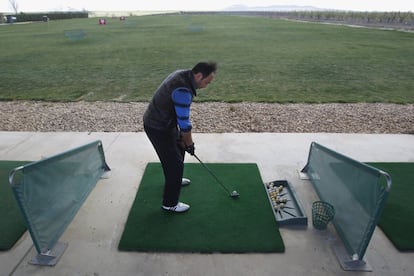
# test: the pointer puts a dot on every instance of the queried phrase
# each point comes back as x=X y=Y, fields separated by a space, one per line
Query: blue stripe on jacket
x=182 y=98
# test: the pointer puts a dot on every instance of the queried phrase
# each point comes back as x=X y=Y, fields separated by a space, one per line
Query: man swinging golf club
x=168 y=126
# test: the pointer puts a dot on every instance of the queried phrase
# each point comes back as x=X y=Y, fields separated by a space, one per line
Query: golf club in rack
x=233 y=194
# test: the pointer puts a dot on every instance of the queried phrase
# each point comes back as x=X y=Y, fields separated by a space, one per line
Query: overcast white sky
x=125 y=5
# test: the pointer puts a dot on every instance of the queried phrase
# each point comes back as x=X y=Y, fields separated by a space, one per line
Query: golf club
x=233 y=194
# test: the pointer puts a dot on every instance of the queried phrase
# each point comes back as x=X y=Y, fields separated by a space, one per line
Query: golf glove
x=190 y=149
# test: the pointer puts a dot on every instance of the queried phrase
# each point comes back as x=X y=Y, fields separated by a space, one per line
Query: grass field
x=260 y=59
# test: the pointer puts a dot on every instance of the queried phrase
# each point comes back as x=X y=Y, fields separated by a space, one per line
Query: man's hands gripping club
x=187 y=142
x=190 y=149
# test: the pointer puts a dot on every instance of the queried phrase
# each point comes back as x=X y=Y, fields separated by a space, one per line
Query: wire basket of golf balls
x=322 y=214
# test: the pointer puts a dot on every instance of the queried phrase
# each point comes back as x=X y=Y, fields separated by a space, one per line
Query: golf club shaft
x=215 y=177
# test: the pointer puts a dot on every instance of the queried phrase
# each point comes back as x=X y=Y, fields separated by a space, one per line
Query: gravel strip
x=211 y=117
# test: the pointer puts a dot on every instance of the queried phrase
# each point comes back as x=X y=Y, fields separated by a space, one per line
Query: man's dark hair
x=205 y=68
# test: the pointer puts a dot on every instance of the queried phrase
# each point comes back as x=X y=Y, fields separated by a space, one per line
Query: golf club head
x=234 y=195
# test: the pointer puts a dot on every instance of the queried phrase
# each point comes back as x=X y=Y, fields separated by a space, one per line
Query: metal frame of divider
x=48 y=256
x=350 y=258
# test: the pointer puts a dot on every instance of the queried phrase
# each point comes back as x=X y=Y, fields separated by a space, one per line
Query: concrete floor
x=94 y=233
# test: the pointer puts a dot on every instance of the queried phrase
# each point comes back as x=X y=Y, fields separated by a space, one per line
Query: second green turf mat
x=397 y=218
x=215 y=221
x=12 y=225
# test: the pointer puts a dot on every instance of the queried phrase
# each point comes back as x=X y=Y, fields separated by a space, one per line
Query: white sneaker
x=185 y=182
x=179 y=208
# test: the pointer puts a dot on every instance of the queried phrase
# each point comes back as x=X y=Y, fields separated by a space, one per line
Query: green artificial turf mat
x=214 y=223
x=397 y=218
x=11 y=221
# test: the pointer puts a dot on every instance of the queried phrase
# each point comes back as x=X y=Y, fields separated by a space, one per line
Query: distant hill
x=273 y=8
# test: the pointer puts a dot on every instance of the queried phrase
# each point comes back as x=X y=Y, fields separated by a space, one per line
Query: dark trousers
x=171 y=156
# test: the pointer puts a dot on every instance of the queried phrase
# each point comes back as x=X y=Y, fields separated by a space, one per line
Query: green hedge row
x=23 y=17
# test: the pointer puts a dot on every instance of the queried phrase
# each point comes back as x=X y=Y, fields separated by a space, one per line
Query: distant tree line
x=400 y=19
x=375 y=18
